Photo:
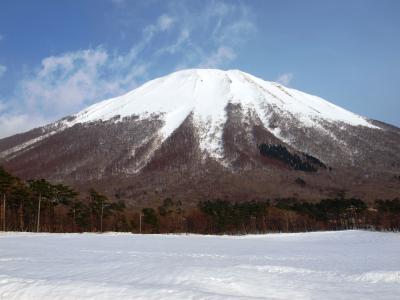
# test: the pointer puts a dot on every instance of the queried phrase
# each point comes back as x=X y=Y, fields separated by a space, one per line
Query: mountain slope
x=200 y=122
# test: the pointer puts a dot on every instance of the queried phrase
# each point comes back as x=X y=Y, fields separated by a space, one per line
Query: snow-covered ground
x=324 y=265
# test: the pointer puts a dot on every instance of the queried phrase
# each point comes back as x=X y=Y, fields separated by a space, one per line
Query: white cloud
x=220 y=57
x=3 y=70
x=285 y=79
x=165 y=22
x=178 y=45
x=220 y=9
x=15 y=123
x=235 y=32
x=64 y=84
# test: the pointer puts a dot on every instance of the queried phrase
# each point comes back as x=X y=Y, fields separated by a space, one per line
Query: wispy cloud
x=209 y=37
x=12 y=123
x=73 y=80
x=1 y=37
x=165 y=22
x=65 y=83
x=285 y=79
x=3 y=70
x=222 y=55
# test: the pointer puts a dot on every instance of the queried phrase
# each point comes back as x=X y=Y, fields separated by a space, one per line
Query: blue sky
x=57 y=57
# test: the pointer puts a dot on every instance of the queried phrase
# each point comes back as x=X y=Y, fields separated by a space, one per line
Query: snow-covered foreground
x=324 y=265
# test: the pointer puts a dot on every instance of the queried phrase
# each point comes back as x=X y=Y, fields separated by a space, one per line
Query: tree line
x=38 y=205
x=292 y=215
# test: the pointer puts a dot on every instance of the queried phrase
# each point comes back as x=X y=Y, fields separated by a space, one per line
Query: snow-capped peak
x=205 y=93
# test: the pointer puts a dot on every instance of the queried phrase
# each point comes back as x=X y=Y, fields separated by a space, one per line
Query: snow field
x=322 y=265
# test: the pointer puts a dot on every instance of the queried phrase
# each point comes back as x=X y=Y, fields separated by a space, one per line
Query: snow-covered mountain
x=205 y=93
x=205 y=120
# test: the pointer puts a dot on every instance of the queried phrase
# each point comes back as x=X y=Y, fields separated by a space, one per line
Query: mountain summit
x=210 y=128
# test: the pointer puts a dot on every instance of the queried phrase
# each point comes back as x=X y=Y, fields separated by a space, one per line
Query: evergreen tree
x=6 y=182
x=64 y=194
x=44 y=192
x=99 y=205
x=21 y=200
x=79 y=212
x=150 y=218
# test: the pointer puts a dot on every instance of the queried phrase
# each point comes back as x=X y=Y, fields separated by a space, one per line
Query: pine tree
x=6 y=182
x=20 y=198
x=79 y=212
x=99 y=206
x=44 y=192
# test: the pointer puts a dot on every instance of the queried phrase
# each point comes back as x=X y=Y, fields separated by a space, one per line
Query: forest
x=40 y=206
x=307 y=164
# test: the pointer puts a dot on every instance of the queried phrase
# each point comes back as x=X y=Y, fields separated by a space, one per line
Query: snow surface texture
x=322 y=265
x=205 y=93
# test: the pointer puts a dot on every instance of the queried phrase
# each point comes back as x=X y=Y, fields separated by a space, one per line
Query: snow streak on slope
x=205 y=93
x=321 y=265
